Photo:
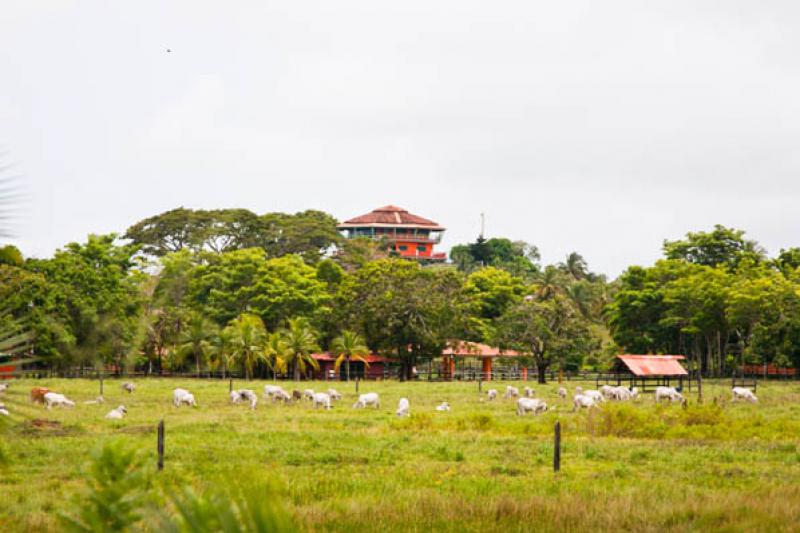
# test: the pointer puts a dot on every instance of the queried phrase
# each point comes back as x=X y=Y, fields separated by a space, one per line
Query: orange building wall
x=411 y=249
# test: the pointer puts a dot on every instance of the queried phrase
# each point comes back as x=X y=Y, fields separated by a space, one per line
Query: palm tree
x=247 y=335
x=301 y=341
x=276 y=352
x=575 y=265
x=349 y=346
x=549 y=283
x=221 y=351
x=194 y=340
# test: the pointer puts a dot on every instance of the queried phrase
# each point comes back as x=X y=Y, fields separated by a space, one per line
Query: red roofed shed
x=484 y=352
x=652 y=370
x=378 y=367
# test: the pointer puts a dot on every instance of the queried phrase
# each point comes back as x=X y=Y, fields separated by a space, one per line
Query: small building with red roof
x=377 y=367
x=409 y=235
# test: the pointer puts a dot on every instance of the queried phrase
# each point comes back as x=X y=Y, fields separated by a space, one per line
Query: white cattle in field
x=511 y=392
x=528 y=392
x=668 y=392
x=491 y=394
x=3 y=410
x=403 y=407
x=334 y=394
x=183 y=396
x=444 y=406
x=309 y=393
x=3 y=387
x=244 y=395
x=59 y=400
x=97 y=401
x=530 y=405
x=607 y=391
x=562 y=392
x=370 y=398
x=582 y=401
x=118 y=413
x=270 y=390
x=281 y=395
x=321 y=399
x=595 y=395
x=129 y=387
x=742 y=393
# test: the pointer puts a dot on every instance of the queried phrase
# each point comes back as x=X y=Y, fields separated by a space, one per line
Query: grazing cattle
x=562 y=392
x=37 y=394
x=668 y=392
x=595 y=395
x=530 y=405
x=742 y=393
x=403 y=407
x=97 y=401
x=183 y=396
x=370 y=398
x=246 y=395
x=3 y=410
x=129 y=387
x=57 y=400
x=3 y=387
x=444 y=406
x=296 y=395
x=270 y=390
x=321 y=399
x=309 y=393
x=511 y=392
x=528 y=392
x=607 y=391
x=581 y=400
x=491 y=394
x=334 y=394
x=117 y=414
x=281 y=396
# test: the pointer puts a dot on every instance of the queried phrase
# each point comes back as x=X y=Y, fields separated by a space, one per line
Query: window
x=421 y=248
x=402 y=247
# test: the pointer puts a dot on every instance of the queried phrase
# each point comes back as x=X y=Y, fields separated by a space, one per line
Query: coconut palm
x=221 y=351
x=349 y=346
x=276 y=352
x=194 y=339
x=301 y=341
x=247 y=336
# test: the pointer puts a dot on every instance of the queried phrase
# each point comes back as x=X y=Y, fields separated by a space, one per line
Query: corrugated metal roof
x=476 y=349
x=654 y=365
x=390 y=216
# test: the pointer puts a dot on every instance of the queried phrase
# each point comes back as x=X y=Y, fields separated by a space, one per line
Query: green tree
x=349 y=346
x=721 y=246
x=247 y=335
x=195 y=338
x=301 y=342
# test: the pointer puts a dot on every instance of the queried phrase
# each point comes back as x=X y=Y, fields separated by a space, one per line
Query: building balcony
x=432 y=238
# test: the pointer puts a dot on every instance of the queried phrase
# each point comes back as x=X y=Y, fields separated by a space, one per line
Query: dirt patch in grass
x=41 y=427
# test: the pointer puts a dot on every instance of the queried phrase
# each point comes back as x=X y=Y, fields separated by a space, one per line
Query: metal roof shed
x=649 y=371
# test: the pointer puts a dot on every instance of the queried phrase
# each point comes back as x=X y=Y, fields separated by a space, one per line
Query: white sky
x=601 y=127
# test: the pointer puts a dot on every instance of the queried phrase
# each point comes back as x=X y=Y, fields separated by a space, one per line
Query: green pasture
x=479 y=467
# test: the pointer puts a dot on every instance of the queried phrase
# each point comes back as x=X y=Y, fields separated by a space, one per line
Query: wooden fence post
x=101 y=384
x=230 y=384
x=699 y=388
x=480 y=382
x=357 y=380
x=161 y=445
x=557 y=448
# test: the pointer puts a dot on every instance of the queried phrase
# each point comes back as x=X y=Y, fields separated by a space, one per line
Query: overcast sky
x=601 y=127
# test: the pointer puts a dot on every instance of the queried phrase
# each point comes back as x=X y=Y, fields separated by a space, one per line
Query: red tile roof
x=654 y=365
x=390 y=215
x=372 y=358
x=476 y=349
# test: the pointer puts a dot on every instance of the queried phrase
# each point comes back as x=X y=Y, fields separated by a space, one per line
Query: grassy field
x=637 y=466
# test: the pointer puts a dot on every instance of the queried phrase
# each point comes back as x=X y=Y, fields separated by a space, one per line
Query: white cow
x=403 y=407
x=528 y=392
x=281 y=395
x=321 y=399
x=622 y=394
x=444 y=406
x=581 y=400
x=59 y=400
x=511 y=392
x=309 y=393
x=183 y=396
x=3 y=387
x=370 y=398
x=562 y=392
x=270 y=390
x=246 y=395
x=334 y=394
x=530 y=405
x=491 y=394
x=97 y=401
x=742 y=393
x=668 y=392
x=129 y=387
x=117 y=414
x=607 y=391
x=3 y=410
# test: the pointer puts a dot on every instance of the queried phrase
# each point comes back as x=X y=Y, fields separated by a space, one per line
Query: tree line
x=229 y=290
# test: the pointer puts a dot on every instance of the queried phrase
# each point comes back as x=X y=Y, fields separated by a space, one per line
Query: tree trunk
x=540 y=372
x=197 y=360
x=296 y=371
x=347 y=370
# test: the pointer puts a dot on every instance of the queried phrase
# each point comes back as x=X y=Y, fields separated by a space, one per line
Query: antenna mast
x=483 y=224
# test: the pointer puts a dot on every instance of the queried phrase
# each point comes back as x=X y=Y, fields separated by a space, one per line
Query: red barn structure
x=464 y=351
x=409 y=235
x=379 y=367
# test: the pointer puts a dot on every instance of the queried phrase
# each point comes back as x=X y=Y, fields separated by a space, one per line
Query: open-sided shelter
x=649 y=371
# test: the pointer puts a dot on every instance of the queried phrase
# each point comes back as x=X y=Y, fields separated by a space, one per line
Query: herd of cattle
x=527 y=403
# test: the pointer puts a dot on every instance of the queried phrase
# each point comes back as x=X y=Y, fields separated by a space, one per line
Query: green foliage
x=246 y=336
x=10 y=255
x=117 y=486
x=347 y=347
x=722 y=246
x=301 y=341
x=517 y=257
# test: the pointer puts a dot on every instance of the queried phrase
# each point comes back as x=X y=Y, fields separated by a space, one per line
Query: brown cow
x=297 y=395
x=37 y=394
